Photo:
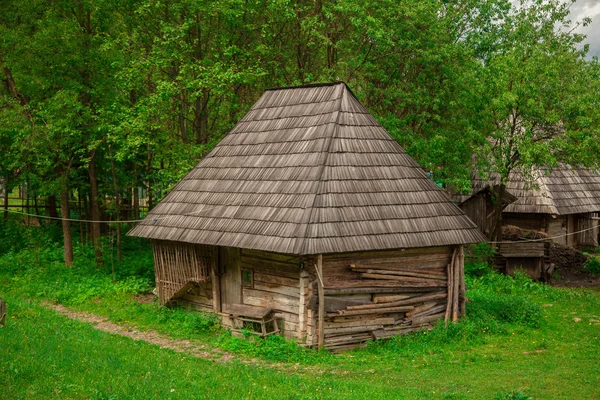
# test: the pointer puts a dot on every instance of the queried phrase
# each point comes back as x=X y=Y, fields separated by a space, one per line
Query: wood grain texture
x=308 y=171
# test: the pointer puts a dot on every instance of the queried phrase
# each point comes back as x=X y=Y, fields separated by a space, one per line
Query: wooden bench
x=251 y=315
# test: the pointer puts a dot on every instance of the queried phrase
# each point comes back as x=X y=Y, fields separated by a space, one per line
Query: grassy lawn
x=521 y=340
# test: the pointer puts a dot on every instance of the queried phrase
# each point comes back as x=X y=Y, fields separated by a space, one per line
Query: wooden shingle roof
x=563 y=191
x=308 y=170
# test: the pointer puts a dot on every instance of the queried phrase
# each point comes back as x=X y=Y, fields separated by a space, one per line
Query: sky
x=589 y=8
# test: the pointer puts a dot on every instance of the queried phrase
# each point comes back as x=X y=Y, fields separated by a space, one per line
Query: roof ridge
x=301 y=249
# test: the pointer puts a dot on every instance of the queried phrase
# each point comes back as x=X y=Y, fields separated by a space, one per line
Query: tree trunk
x=117 y=204
x=36 y=206
x=149 y=177
x=6 y=182
x=497 y=231
x=95 y=210
x=136 y=200
x=51 y=207
x=81 y=223
x=87 y=217
x=66 y=224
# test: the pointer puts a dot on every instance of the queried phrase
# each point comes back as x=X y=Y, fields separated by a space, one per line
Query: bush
x=496 y=311
x=592 y=265
x=479 y=260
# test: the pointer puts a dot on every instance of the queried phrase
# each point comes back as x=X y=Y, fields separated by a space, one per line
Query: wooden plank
x=352 y=329
x=402 y=273
x=320 y=330
x=387 y=253
x=267 y=255
x=374 y=290
x=231 y=279
x=410 y=301
x=291 y=317
x=364 y=321
x=275 y=301
x=422 y=308
x=377 y=310
x=427 y=318
x=391 y=298
x=333 y=303
x=287 y=272
x=274 y=278
x=216 y=287
x=276 y=288
x=406 y=279
x=302 y=308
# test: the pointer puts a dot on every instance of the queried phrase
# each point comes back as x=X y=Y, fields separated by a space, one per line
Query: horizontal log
x=370 y=289
x=427 y=318
x=401 y=273
x=386 y=333
x=392 y=298
x=282 y=269
x=410 y=301
x=351 y=329
x=345 y=347
x=429 y=282
x=376 y=311
x=275 y=301
x=356 y=255
x=276 y=288
x=333 y=303
x=359 y=322
x=421 y=309
x=274 y=278
x=352 y=338
x=412 y=261
x=267 y=255
x=287 y=316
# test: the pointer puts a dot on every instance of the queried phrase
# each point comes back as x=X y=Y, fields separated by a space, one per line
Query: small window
x=247 y=279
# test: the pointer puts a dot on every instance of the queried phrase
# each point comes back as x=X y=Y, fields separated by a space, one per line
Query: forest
x=104 y=103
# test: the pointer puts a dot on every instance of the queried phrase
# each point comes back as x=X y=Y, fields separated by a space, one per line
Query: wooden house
x=310 y=220
x=563 y=203
x=478 y=205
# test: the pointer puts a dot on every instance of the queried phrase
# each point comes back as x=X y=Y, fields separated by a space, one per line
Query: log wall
x=276 y=284
x=375 y=295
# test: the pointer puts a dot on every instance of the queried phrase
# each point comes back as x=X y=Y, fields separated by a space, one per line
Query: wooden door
x=231 y=277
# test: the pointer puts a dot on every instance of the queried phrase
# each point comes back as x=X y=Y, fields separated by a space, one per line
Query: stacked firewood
x=391 y=300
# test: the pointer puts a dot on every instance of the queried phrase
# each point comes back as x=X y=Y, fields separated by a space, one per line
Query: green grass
x=520 y=340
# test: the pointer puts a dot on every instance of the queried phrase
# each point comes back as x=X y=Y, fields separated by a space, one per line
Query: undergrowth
x=34 y=269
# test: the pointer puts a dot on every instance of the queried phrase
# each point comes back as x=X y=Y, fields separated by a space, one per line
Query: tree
x=540 y=96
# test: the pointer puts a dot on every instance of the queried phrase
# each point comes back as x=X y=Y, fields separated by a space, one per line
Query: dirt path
x=152 y=337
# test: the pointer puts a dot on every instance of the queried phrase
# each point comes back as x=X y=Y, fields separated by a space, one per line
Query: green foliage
x=479 y=260
x=592 y=265
x=272 y=348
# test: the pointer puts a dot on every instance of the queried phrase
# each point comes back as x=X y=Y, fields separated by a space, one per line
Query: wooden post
x=321 y=301
x=216 y=281
x=455 y=284
x=450 y=288
x=302 y=306
x=463 y=289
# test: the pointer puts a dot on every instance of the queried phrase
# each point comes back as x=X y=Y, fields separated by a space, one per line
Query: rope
x=548 y=238
x=156 y=219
